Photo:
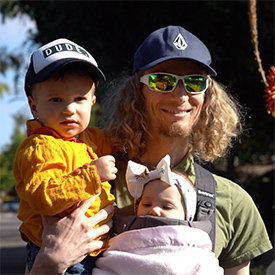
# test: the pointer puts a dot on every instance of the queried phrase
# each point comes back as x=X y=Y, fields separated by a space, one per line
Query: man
x=172 y=105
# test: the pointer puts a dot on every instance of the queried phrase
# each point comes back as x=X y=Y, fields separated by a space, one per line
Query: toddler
x=56 y=167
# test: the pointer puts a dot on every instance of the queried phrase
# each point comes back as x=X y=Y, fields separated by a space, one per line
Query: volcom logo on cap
x=180 y=43
x=64 y=47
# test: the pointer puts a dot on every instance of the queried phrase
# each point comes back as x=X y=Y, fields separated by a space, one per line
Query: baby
x=167 y=249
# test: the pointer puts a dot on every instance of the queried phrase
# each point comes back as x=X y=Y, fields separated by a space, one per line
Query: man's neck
x=157 y=148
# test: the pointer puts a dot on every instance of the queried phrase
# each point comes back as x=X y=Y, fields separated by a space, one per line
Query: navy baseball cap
x=170 y=43
x=54 y=55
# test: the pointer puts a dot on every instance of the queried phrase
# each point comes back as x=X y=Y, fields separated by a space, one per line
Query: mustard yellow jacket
x=49 y=181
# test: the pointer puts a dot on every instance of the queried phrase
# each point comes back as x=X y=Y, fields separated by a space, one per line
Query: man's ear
x=33 y=108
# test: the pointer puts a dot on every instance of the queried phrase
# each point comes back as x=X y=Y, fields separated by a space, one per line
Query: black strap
x=206 y=197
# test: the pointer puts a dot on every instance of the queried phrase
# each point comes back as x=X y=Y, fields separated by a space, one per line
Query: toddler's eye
x=55 y=99
x=79 y=98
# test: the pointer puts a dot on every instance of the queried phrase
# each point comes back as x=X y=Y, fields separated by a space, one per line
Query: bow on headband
x=137 y=175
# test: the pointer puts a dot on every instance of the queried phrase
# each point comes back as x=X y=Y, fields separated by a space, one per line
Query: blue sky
x=12 y=35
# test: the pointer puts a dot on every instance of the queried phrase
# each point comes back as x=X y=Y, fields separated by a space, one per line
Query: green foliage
x=13 y=61
x=8 y=8
x=4 y=88
x=9 y=60
x=95 y=115
x=258 y=271
x=7 y=181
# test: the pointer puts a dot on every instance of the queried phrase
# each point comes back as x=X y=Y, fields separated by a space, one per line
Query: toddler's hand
x=105 y=167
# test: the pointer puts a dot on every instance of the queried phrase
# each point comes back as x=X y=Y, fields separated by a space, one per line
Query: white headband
x=138 y=175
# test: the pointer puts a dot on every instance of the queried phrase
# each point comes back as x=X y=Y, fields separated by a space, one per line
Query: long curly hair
x=124 y=119
x=219 y=125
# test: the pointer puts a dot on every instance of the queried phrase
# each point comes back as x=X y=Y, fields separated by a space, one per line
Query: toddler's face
x=162 y=200
x=64 y=104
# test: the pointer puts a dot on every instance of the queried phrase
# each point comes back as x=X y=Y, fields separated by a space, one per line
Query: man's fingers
x=103 y=229
x=97 y=232
x=84 y=206
x=95 y=245
x=101 y=215
x=109 y=209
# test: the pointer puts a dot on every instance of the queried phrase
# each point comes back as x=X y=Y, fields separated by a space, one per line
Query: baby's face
x=162 y=200
x=64 y=104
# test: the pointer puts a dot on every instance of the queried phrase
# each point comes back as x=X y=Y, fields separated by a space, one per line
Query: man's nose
x=180 y=90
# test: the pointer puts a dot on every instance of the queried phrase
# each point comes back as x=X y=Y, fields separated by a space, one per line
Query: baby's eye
x=146 y=204
x=167 y=206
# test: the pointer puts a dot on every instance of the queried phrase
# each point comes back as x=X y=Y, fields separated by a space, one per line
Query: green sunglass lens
x=195 y=84
x=163 y=83
x=166 y=83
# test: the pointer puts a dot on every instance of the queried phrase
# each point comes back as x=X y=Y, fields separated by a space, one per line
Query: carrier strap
x=206 y=199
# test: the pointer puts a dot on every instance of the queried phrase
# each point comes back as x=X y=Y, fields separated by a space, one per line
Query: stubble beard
x=175 y=130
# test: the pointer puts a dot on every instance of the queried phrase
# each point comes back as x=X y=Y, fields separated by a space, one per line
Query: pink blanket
x=159 y=250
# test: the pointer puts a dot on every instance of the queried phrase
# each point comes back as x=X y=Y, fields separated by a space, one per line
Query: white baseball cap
x=54 y=55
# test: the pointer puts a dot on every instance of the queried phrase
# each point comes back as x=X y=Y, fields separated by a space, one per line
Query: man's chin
x=175 y=130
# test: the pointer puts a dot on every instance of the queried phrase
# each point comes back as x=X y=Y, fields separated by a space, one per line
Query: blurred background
x=111 y=31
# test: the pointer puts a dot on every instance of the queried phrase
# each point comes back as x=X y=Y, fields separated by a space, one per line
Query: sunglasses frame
x=145 y=80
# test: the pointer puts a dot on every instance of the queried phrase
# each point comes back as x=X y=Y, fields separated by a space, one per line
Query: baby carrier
x=205 y=217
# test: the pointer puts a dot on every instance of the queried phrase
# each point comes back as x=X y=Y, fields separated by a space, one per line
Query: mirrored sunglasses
x=166 y=83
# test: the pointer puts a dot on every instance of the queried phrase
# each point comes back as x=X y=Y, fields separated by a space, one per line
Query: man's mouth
x=176 y=112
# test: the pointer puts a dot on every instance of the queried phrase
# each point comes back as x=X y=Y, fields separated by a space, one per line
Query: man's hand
x=68 y=240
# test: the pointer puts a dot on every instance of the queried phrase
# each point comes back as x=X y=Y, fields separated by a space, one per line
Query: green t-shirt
x=240 y=232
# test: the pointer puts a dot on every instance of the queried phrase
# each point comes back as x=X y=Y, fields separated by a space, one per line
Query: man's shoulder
x=229 y=188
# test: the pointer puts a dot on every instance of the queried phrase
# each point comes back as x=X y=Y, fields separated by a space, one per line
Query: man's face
x=64 y=104
x=173 y=114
